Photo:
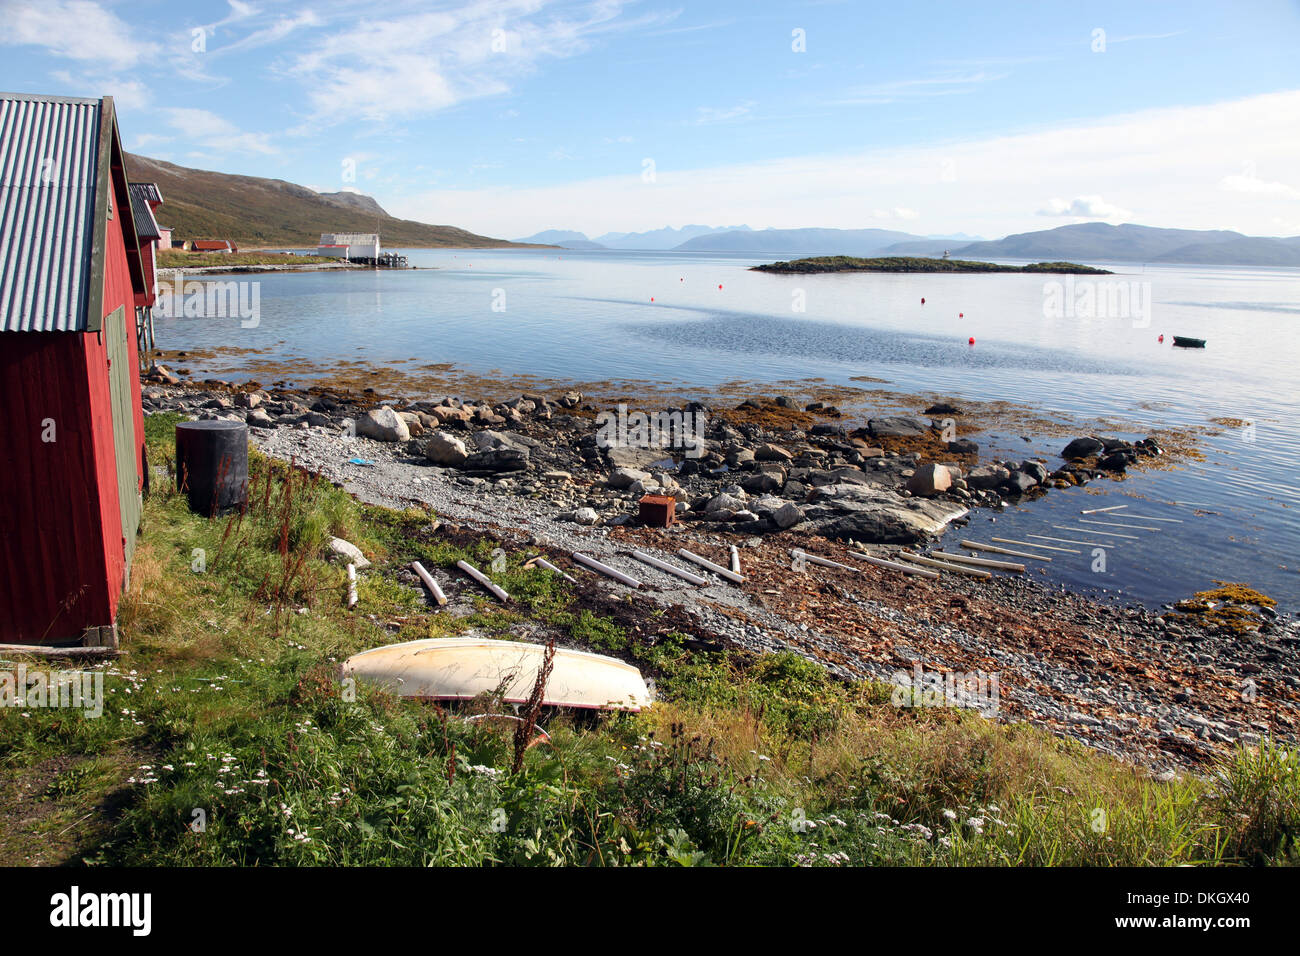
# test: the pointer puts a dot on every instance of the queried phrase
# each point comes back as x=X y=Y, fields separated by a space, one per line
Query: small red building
x=72 y=460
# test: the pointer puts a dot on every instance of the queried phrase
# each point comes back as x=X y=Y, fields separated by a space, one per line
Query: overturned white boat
x=462 y=668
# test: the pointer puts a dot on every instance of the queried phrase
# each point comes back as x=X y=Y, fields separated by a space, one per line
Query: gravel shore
x=1161 y=690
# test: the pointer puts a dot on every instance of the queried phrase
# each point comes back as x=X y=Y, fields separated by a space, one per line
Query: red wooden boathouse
x=71 y=427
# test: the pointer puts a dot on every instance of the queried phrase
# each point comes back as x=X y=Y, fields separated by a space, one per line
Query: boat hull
x=455 y=668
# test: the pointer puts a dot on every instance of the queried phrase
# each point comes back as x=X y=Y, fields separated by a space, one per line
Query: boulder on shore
x=383 y=424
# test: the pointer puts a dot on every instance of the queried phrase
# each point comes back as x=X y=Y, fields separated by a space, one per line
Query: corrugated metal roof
x=146 y=227
x=49 y=154
x=148 y=191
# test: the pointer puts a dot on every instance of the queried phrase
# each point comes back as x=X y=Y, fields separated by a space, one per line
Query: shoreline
x=1157 y=689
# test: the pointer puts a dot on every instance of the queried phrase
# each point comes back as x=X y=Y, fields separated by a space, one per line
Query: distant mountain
x=660 y=239
x=1131 y=243
x=836 y=242
x=198 y=204
x=565 y=239
x=358 y=201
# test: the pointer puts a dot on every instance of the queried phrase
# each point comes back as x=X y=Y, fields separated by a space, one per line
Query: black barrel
x=212 y=465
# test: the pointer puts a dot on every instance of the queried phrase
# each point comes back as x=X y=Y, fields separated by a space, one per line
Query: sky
x=513 y=116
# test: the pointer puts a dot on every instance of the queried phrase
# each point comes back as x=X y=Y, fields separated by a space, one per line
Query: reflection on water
x=590 y=316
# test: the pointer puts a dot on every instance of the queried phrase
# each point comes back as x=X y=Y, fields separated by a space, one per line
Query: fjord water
x=589 y=316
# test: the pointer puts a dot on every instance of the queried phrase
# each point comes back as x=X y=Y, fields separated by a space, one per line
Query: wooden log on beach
x=352 y=585
x=715 y=568
x=543 y=563
x=979 y=562
x=994 y=549
x=429 y=583
x=605 y=569
x=894 y=565
x=943 y=565
x=483 y=579
x=735 y=559
x=669 y=568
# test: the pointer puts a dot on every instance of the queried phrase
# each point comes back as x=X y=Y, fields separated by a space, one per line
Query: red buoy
x=719 y=285
x=961 y=315
x=923 y=300
x=1161 y=339
x=652 y=298
x=971 y=340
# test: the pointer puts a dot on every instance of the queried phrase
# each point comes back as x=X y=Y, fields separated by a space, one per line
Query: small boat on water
x=1183 y=342
x=462 y=668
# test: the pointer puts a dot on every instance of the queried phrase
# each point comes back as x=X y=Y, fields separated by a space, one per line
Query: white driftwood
x=429 y=583
x=735 y=559
x=482 y=579
x=894 y=565
x=943 y=565
x=1118 y=524
x=979 y=562
x=1106 y=534
x=1031 y=544
x=352 y=585
x=994 y=549
x=670 y=568
x=1090 y=544
x=543 y=563
x=606 y=570
x=715 y=568
x=1097 y=511
x=1153 y=518
x=818 y=559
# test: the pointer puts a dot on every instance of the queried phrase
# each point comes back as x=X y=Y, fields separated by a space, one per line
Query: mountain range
x=1080 y=242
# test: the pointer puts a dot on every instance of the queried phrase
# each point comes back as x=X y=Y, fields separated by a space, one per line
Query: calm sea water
x=590 y=316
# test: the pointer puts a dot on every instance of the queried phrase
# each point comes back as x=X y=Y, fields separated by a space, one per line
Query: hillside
x=1132 y=243
x=253 y=211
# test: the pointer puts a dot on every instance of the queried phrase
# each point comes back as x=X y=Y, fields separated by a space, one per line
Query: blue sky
x=510 y=117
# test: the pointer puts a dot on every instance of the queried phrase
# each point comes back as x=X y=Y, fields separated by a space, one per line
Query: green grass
x=179 y=259
x=227 y=738
x=818 y=264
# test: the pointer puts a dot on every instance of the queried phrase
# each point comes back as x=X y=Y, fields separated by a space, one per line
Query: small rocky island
x=818 y=264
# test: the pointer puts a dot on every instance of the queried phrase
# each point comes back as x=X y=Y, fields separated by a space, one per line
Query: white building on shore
x=349 y=245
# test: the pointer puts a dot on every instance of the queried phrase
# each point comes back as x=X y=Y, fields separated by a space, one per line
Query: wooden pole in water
x=482 y=579
x=994 y=549
x=1107 y=534
x=1090 y=544
x=670 y=568
x=1097 y=511
x=429 y=583
x=1119 y=524
x=715 y=568
x=1030 y=544
x=606 y=570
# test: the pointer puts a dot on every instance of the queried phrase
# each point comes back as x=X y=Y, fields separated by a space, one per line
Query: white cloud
x=75 y=29
x=214 y=133
x=380 y=70
x=1085 y=207
x=1163 y=165
x=1248 y=182
x=705 y=115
